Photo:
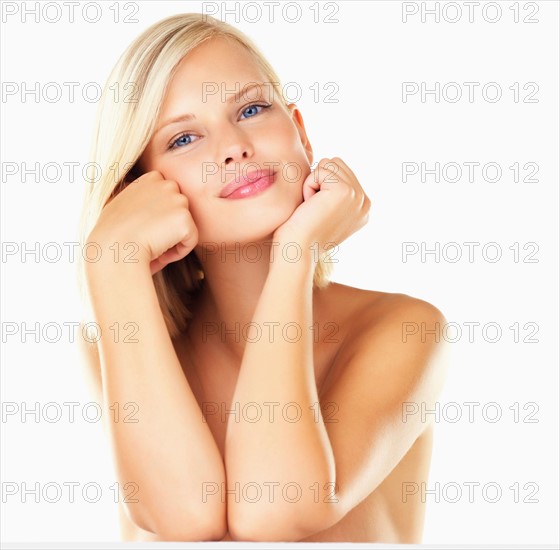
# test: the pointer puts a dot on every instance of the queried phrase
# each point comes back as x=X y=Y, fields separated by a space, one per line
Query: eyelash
x=172 y=145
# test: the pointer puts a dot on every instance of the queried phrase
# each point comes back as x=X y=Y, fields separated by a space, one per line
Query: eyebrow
x=189 y=116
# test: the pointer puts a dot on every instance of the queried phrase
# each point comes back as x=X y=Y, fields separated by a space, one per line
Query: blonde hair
x=123 y=130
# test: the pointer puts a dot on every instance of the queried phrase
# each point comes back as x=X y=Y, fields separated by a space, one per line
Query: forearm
x=169 y=452
x=292 y=453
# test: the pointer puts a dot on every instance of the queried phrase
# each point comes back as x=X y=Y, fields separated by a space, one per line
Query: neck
x=234 y=278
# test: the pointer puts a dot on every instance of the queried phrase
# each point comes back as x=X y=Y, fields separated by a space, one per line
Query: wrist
x=114 y=253
x=310 y=245
x=115 y=288
x=293 y=260
x=106 y=268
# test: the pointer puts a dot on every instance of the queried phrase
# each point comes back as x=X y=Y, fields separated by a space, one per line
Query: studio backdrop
x=447 y=112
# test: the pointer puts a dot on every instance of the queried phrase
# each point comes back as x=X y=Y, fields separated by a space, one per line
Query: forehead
x=218 y=61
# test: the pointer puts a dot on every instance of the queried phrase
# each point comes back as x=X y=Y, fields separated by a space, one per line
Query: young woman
x=268 y=401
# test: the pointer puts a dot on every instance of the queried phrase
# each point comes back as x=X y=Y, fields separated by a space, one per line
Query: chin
x=256 y=223
x=259 y=233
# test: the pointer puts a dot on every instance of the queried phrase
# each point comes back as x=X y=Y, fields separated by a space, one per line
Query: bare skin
x=357 y=459
x=212 y=373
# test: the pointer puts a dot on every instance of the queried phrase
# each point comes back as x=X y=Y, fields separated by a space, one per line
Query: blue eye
x=180 y=141
x=254 y=108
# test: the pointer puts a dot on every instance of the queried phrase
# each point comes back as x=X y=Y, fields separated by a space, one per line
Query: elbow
x=283 y=526
x=172 y=525
x=192 y=529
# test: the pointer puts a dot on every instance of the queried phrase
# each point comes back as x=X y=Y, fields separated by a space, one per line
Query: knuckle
x=153 y=175
x=184 y=227
x=186 y=223
x=170 y=185
x=182 y=200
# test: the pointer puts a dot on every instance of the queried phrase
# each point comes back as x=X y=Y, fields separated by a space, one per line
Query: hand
x=153 y=213
x=335 y=206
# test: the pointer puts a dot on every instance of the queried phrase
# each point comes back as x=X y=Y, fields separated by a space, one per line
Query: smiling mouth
x=249 y=186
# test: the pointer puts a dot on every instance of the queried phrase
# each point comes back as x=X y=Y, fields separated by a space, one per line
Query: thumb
x=310 y=185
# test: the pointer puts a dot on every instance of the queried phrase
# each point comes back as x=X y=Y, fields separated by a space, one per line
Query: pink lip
x=248 y=185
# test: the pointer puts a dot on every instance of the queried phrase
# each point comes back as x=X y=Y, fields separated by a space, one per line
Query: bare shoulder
x=361 y=309
x=389 y=334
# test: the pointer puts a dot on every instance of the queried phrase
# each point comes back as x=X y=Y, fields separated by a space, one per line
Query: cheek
x=292 y=143
x=188 y=178
x=192 y=187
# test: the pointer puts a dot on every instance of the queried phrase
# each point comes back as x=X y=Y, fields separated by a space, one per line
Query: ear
x=298 y=121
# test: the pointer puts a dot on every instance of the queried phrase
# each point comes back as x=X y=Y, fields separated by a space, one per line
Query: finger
x=341 y=166
x=308 y=189
x=183 y=248
x=174 y=254
x=319 y=179
x=353 y=181
x=328 y=176
x=156 y=266
x=350 y=176
x=165 y=259
x=338 y=173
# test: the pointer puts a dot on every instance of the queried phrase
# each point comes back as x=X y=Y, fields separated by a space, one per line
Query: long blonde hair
x=124 y=128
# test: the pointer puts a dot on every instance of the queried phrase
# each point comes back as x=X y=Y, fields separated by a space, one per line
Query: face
x=226 y=137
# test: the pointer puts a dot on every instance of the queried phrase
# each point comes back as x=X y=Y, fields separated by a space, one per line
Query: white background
x=368 y=54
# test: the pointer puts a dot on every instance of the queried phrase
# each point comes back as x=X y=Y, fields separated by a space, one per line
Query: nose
x=235 y=145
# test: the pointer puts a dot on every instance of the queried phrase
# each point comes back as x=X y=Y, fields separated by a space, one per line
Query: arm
x=379 y=373
x=170 y=452
x=275 y=370
x=292 y=455
x=382 y=373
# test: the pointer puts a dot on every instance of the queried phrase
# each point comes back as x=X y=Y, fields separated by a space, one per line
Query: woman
x=269 y=402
